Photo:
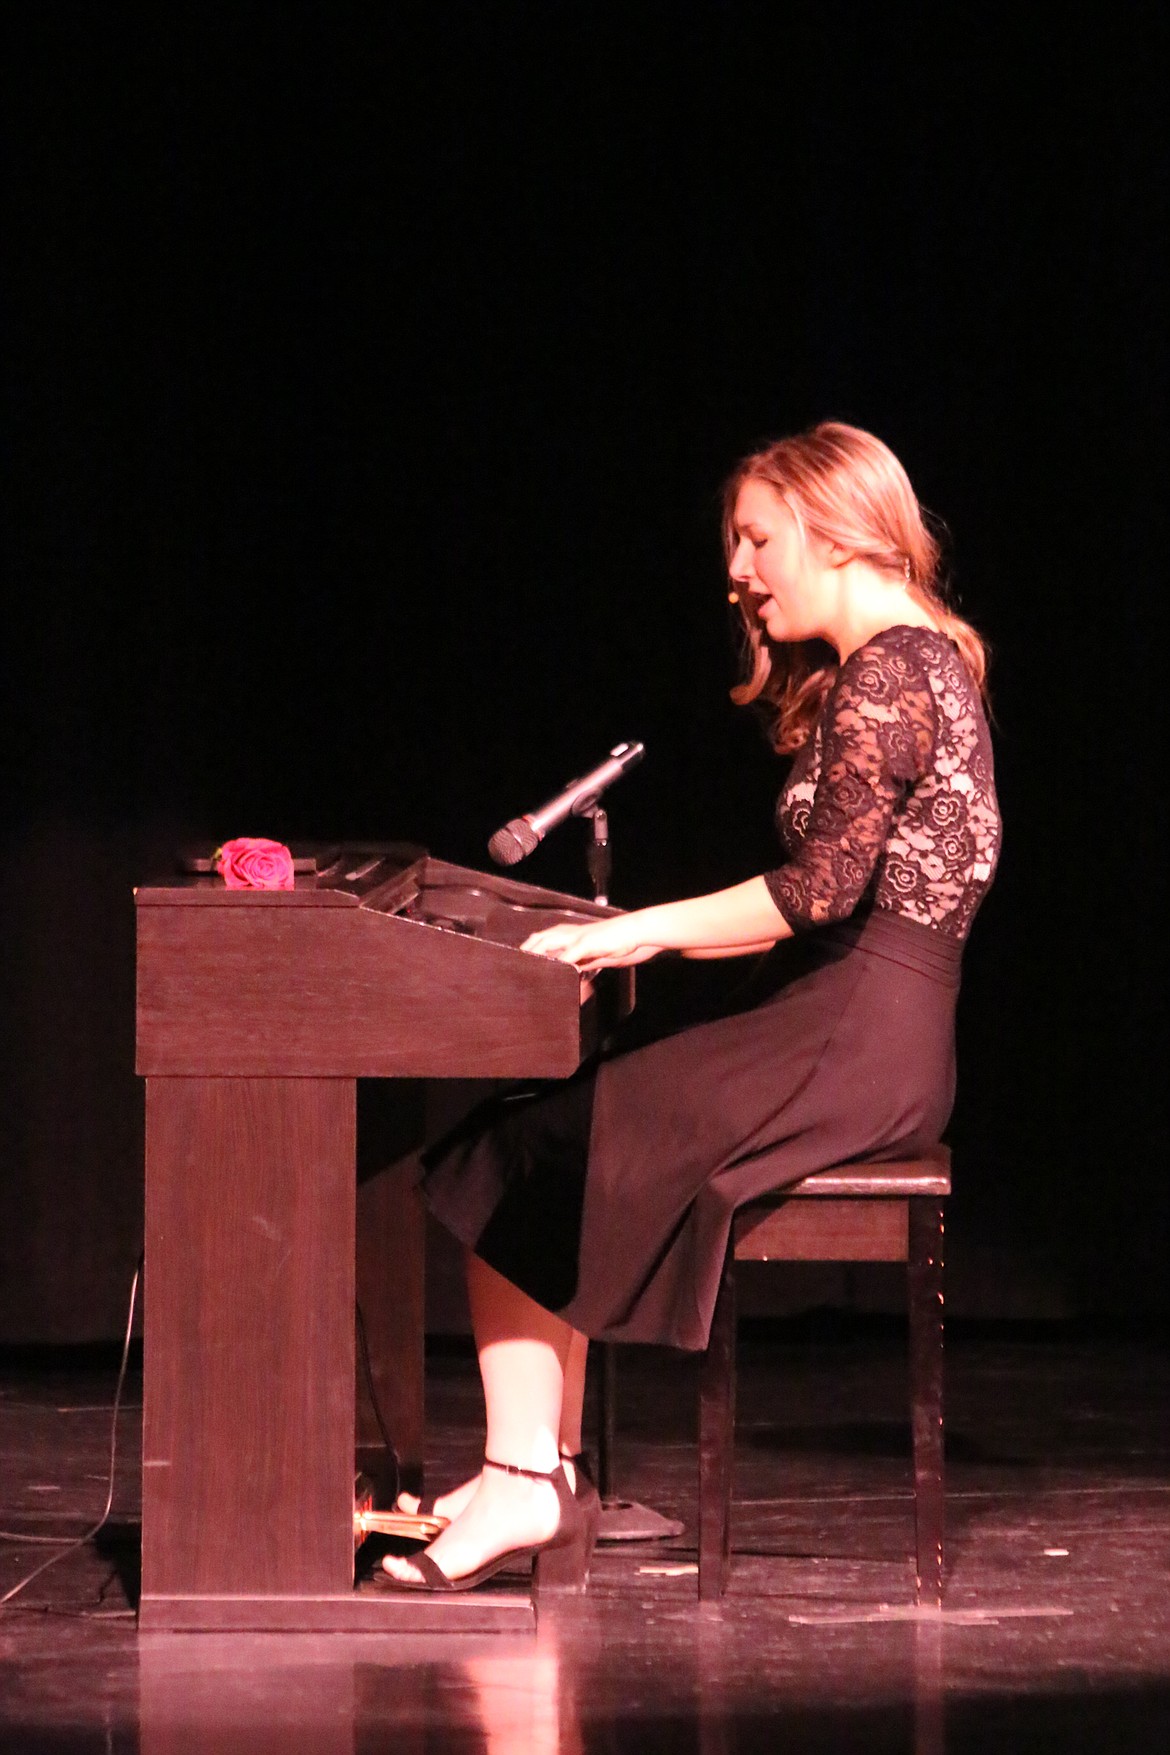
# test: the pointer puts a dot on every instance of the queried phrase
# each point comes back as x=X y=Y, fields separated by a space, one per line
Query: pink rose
x=251 y=863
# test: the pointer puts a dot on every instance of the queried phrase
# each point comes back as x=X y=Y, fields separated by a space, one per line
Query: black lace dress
x=609 y=1197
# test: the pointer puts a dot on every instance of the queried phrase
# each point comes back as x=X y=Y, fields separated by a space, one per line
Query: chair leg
x=926 y=1391
x=717 y=1438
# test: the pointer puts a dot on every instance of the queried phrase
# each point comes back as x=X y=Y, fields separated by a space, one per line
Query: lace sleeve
x=879 y=730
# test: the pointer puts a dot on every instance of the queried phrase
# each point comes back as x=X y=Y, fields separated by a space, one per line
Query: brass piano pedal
x=368 y=1521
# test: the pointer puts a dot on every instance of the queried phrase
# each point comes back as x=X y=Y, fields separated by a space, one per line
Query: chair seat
x=930 y=1174
x=853 y=1212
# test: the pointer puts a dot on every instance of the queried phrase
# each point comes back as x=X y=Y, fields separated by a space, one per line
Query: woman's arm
x=880 y=729
x=710 y=951
x=728 y=923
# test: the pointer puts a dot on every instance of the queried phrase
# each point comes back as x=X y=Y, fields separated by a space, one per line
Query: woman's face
x=773 y=569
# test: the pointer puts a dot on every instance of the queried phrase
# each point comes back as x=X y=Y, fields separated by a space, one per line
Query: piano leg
x=249 y=1346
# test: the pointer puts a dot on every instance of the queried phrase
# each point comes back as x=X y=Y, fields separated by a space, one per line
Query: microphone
x=517 y=839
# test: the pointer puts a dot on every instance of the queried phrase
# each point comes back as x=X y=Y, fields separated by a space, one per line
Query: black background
x=374 y=371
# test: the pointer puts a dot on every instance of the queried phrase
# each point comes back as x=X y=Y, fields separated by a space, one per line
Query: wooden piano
x=258 y=1012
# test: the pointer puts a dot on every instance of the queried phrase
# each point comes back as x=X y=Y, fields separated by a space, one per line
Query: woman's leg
x=523 y=1350
x=573 y=1398
x=569 y=1437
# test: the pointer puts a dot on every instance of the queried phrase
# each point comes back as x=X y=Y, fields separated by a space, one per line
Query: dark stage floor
x=1055 y=1635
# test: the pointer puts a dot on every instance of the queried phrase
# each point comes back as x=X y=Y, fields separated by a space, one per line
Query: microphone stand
x=622 y=1520
x=598 y=855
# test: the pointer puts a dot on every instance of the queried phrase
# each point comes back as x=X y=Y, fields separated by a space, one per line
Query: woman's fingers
x=603 y=944
x=552 y=941
x=593 y=946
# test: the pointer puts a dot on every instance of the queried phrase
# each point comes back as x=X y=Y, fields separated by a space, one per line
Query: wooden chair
x=855 y=1212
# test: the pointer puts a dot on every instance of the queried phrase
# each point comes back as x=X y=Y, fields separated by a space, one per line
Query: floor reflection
x=615 y=1676
x=929 y=1704
x=211 y=1694
x=525 y=1702
x=331 y=1695
x=308 y=1695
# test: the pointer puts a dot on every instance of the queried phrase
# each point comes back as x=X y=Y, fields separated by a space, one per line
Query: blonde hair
x=842 y=485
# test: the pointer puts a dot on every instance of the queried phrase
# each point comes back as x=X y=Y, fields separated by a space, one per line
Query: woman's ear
x=836 y=555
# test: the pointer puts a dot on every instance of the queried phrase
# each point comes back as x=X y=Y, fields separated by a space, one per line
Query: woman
x=601 y=1207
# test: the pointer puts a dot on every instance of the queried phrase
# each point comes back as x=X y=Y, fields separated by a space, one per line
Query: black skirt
x=608 y=1197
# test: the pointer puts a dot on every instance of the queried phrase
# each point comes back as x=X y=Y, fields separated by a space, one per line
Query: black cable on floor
x=71 y=1544
x=368 y=1378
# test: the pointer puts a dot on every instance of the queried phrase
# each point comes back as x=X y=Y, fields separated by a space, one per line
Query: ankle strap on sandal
x=515 y=1469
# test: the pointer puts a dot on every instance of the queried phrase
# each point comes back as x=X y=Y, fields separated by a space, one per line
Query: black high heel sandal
x=560 y=1563
x=557 y=1572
